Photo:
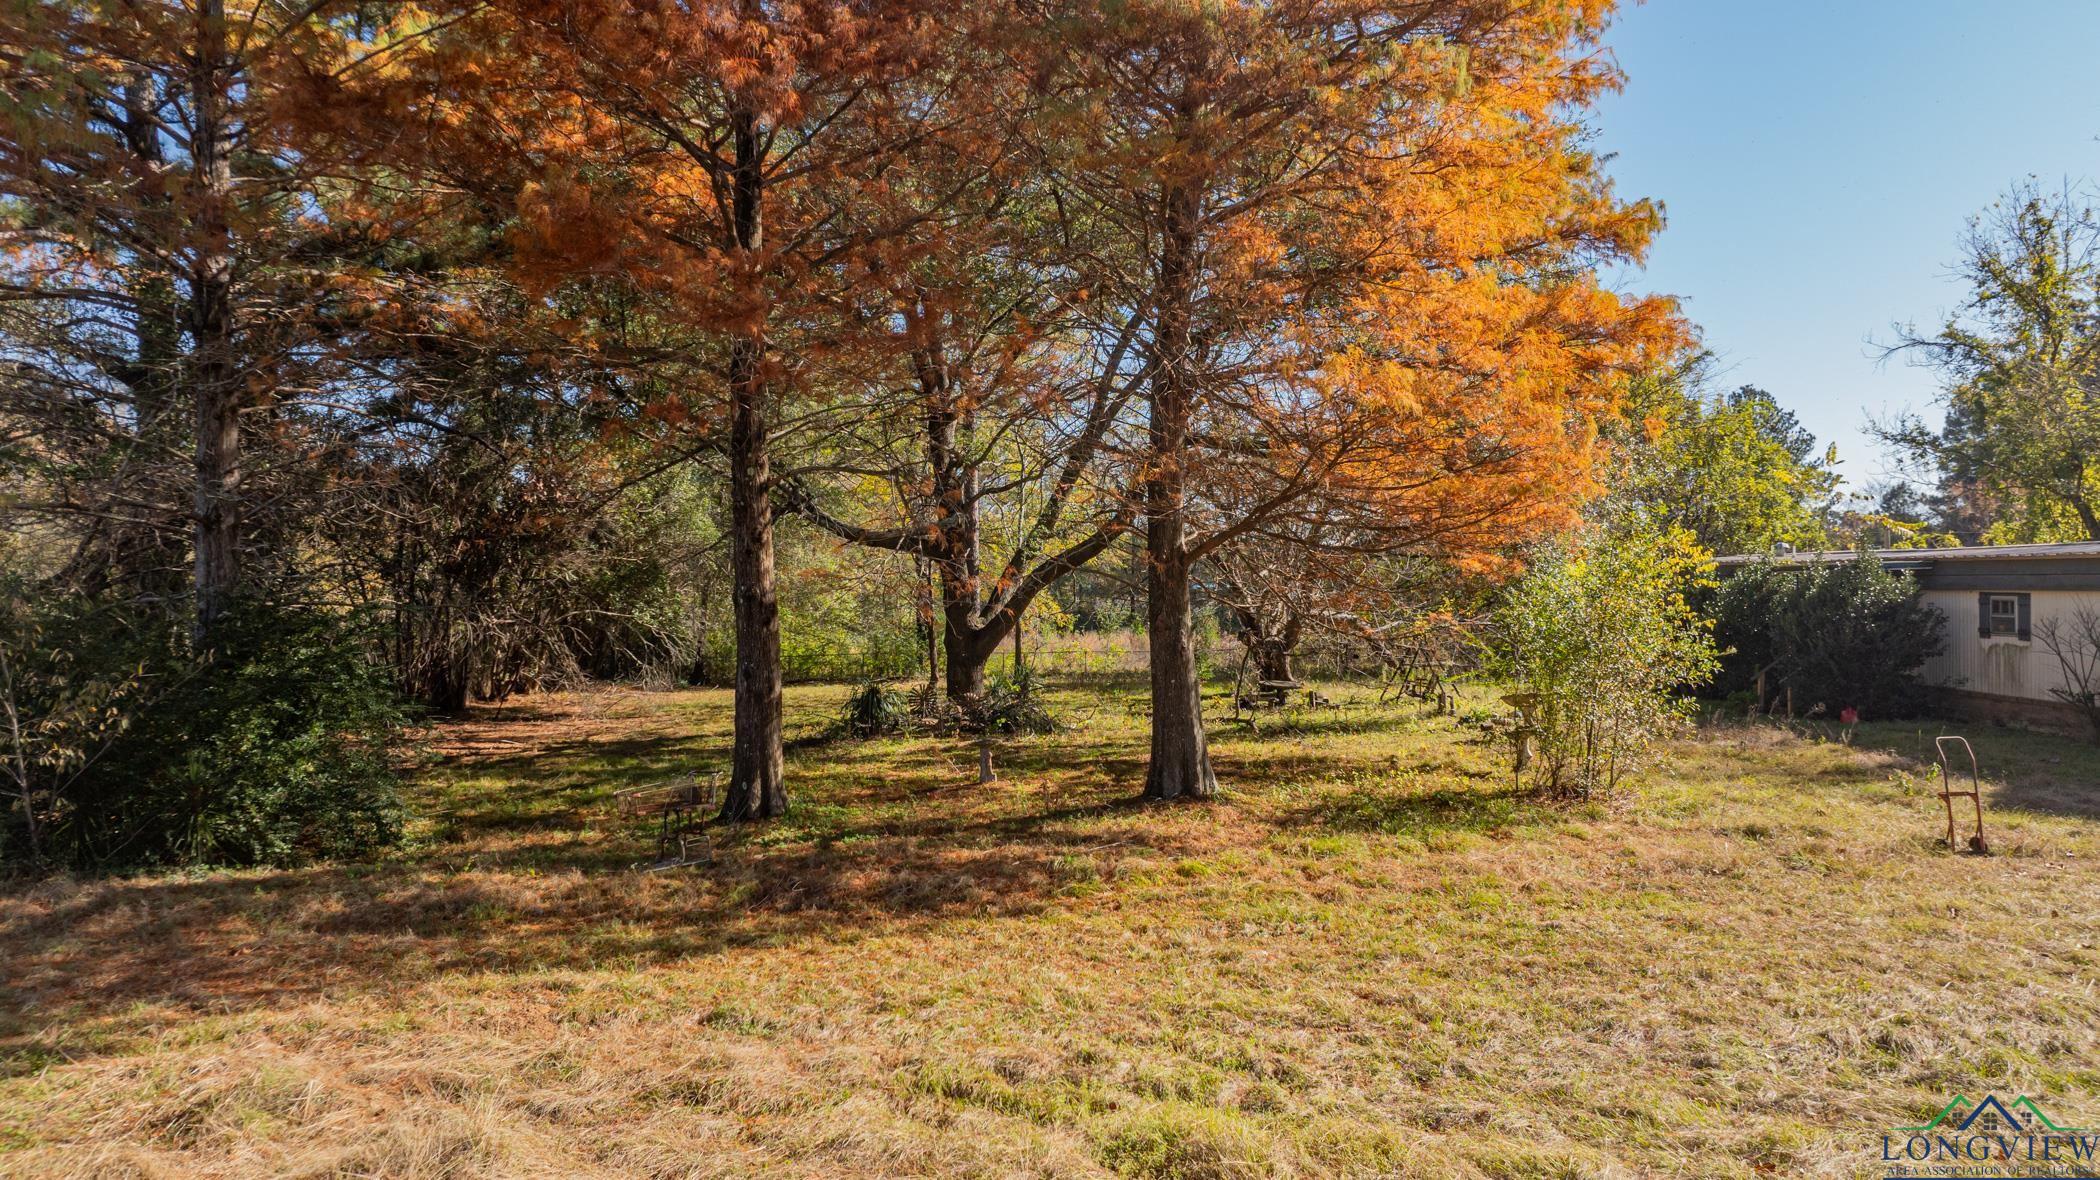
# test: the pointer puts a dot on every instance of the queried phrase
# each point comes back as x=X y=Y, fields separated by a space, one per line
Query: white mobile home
x=1997 y=599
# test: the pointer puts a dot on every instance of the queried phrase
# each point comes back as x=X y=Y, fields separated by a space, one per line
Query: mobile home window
x=2005 y=614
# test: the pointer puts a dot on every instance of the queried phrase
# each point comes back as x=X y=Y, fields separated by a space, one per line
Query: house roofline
x=1921 y=558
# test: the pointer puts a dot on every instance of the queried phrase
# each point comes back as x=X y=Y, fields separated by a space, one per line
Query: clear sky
x=1819 y=159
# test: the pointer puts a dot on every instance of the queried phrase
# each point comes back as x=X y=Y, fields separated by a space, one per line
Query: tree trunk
x=25 y=779
x=1270 y=648
x=969 y=646
x=156 y=396
x=927 y=632
x=447 y=667
x=217 y=532
x=965 y=667
x=447 y=690
x=1180 y=766
x=2086 y=515
x=1272 y=660
x=214 y=375
x=158 y=567
x=756 y=786
x=956 y=554
x=972 y=623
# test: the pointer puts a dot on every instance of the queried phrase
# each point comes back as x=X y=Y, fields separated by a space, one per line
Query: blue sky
x=1818 y=162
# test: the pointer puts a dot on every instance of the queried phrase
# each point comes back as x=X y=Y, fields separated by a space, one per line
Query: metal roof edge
x=2041 y=552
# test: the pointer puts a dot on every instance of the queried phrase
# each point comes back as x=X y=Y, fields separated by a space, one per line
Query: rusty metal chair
x=681 y=810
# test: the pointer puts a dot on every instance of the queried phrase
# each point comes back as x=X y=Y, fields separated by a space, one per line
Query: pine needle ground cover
x=1371 y=958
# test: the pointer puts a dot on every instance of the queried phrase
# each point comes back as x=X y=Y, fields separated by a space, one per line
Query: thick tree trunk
x=1272 y=661
x=756 y=786
x=447 y=689
x=957 y=554
x=965 y=668
x=1271 y=649
x=969 y=646
x=445 y=670
x=1278 y=649
x=158 y=569
x=214 y=374
x=1180 y=766
x=757 y=789
x=217 y=531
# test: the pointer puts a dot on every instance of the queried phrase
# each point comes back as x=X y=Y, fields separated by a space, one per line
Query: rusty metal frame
x=1948 y=794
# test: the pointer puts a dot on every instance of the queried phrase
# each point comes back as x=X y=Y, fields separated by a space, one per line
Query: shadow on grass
x=79 y=952
x=2021 y=769
x=1422 y=815
x=531 y=871
x=864 y=853
x=1313 y=721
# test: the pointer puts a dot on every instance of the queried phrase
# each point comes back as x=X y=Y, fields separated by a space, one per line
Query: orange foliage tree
x=1340 y=255
x=1362 y=238
x=731 y=163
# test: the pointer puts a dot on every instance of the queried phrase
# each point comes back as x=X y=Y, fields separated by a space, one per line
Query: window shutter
x=1983 y=615
x=2026 y=616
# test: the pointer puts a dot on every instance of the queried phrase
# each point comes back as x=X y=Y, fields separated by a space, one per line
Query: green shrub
x=61 y=708
x=277 y=745
x=1603 y=642
x=1845 y=635
x=874 y=709
x=1013 y=705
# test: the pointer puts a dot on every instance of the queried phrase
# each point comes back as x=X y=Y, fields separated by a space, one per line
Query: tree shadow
x=80 y=953
x=1422 y=815
x=2020 y=769
x=533 y=868
x=527 y=865
x=1314 y=721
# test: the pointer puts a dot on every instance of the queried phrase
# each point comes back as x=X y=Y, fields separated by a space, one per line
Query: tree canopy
x=1734 y=469
x=541 y=338
x=2021 y=360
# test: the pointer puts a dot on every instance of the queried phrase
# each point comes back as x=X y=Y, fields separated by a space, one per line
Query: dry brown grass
x=1370 y=960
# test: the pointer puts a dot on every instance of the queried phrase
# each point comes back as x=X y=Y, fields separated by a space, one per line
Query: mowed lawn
x=1370 y=959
